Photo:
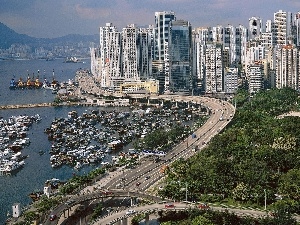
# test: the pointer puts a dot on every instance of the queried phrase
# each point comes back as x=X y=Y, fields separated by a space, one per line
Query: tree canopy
x=257 y=156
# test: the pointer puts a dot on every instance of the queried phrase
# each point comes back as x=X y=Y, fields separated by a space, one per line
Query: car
x=130 y=211
x=138 y=184
x=70 y=202
x=169 y=205
x=147 y=177
x=118 y=185
x=107 y=192
x=52 y=217
x=203 y=206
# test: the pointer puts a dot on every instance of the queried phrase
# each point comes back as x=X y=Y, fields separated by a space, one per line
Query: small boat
x=35 y=195
x=41 y=152
x=72 y=60
x=78 y=165
x=12 y=84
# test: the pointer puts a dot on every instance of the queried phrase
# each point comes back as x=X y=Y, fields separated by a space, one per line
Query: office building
x=180 y=57
x=160 y=50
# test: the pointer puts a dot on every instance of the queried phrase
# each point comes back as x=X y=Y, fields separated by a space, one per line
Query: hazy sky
x=55 y=18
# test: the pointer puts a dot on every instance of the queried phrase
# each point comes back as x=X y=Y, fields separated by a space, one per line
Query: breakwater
x=19 y=106
x=50 y=104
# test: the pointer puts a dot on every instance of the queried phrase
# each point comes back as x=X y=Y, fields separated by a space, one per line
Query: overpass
x=217 y=109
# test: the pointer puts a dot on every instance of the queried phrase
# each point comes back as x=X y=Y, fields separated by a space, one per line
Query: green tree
x=201 y=220
x=289 y=184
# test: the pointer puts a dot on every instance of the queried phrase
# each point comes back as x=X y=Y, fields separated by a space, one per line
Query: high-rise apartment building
x=180 y=56
x=161 y=32
x=255 y=74
x=160 y=48
x=231 y=80
x=255 y=27
x=200 y=38
x=110 y=57
x=297 y=28
x=235 y=40
x=130 y=36
x=214 y=69
x=282 y=29
x=287 y=67
x=145 y=43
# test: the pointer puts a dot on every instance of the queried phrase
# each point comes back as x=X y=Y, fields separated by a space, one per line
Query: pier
x=26 y=106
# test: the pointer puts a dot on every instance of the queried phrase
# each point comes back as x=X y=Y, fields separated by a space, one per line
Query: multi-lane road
x=139 y=179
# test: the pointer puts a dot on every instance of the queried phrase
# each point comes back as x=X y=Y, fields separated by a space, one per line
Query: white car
x=130 y=211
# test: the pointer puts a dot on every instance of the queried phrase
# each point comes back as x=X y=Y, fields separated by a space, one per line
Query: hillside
x=9 y=37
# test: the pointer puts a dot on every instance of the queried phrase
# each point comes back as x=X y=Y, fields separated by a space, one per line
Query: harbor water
x=15 y=188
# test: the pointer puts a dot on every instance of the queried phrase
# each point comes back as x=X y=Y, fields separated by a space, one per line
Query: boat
x=11 y=166
x=72 y=59
x=35 y=195
x=41 y=152
x=12 y=84
x=78 y=165
x=21 y=84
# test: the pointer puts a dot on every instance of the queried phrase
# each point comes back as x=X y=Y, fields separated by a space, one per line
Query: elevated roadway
x=136 y=181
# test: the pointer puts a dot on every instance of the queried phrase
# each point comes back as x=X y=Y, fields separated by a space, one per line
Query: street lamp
x=186 y=192
x=265 y=199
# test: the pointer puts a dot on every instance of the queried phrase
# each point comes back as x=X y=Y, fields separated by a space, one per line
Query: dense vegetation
x=256 y=157
x=203 y=217
x=78 y=182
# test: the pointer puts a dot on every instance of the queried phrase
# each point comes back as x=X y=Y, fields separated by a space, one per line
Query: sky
x=56 y=18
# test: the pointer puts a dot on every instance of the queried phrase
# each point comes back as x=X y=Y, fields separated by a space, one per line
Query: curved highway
x=142 y=177
x=139 y=179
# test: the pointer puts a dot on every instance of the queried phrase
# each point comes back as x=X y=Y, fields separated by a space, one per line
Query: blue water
x=15 y=188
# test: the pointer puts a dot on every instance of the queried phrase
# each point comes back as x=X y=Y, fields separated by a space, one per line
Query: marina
x=79 y=140
x=112 y=146
x=17 y=185
x=13 y=138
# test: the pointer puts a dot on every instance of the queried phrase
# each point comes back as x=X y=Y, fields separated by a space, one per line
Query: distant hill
x=9 y=37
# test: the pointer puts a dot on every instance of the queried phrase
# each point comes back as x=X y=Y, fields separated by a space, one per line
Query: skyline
x=56 y=18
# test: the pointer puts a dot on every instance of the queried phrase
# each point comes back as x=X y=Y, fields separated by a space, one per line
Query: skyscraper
x=130 y=53
x=297 y=28
x=160 y=48
x=287 y=67
x=282 y=29
x=180 y=56
x=110 y=57
x=161 y=33
x=255 y=27
x=214 y=69
x=255 y=74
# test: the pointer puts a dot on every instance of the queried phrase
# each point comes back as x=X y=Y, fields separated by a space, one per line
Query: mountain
x=9 y=37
